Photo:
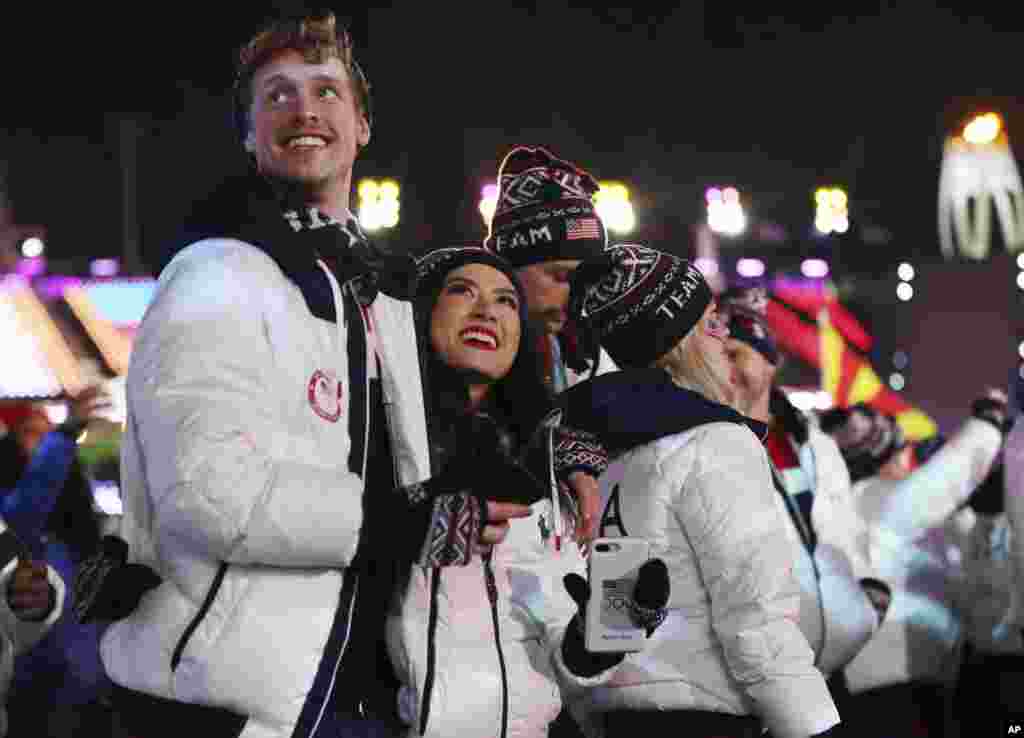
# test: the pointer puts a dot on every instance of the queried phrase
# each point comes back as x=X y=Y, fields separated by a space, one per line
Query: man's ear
x=363 y=134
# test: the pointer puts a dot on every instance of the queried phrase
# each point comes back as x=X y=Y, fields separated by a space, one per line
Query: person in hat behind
x=730 y=659
x=545 y=224
x=836 y=614
x=503 y=638
x=31 y=601
x=911 y=498
x=46 y=500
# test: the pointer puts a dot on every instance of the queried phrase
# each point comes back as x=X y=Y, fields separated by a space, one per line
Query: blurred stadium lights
x=611 y=201
x=814 y=268
x=905 y=271
x=104 y=267
x=904 y=291
x=32 y=247
x=725 y=211
x=488 y=202
x=983 y=129
x=378 y=204
x=831 y=210
x=750 y=268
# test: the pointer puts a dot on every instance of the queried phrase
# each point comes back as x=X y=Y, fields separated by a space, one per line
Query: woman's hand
x=587 y=492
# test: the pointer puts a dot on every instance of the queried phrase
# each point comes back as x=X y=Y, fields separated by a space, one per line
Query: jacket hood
x=632 y=407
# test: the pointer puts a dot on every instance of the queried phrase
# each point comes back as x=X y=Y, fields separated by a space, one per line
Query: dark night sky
x=670 y=101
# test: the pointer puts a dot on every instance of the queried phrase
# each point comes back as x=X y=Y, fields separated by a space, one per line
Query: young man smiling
x=274 y=400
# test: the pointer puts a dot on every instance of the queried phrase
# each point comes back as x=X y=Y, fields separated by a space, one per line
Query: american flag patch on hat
x=582 y=228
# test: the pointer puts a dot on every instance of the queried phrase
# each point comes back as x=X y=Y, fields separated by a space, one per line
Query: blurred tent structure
x=60 y=334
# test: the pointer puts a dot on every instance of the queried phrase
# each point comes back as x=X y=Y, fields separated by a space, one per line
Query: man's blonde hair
x=318 y=38
x=690 y=369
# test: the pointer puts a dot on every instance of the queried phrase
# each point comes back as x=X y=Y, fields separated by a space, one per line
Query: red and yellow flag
x=849 y=378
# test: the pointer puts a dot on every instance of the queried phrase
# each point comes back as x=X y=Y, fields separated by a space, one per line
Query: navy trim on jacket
x=633 y=407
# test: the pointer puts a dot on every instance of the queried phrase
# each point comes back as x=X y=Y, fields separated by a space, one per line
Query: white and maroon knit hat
x=638 y=302
x=545 y=210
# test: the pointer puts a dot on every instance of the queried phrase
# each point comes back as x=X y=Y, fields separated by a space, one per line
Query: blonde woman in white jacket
x=730 y=659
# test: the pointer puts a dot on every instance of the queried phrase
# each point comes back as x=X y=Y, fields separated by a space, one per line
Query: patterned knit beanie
x=432 y=267
x=545 y=210
x=638 y=302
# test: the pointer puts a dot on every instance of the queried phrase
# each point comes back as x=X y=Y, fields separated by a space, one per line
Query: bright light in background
x=488 y=202
x=905 y=272
x=831 y=214
x=1020 y=280
x=897 y=381
x=1020 y=261
x=904 y=291
x=725 y=211
x=814 y=268
x=378 y=204
x=611 y=201
x=983 y=129
x=750 y=268
x=104 y=267
x=707 y=266
x=1020 y=350
x=807 y=400
x=32 y=247
x=900 y=360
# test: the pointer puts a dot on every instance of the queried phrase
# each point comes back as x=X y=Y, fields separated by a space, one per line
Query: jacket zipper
x=218 y=579
x=366 y=374
x=339 y=311
x=492 y=595
x=428 y=682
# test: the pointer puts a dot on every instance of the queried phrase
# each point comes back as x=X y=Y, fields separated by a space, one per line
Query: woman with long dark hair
x=485 y=648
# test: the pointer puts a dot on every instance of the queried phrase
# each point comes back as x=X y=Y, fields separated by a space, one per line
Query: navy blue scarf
x=633 y=407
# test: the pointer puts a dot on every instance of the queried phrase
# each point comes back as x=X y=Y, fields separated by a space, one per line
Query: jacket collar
x=632 y=407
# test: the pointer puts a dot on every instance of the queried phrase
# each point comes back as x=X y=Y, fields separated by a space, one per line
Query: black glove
x=486 y=461
x=647 y=609
x=988 y=497
x=447 y=512
x=106 y=587
x=993 y=407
